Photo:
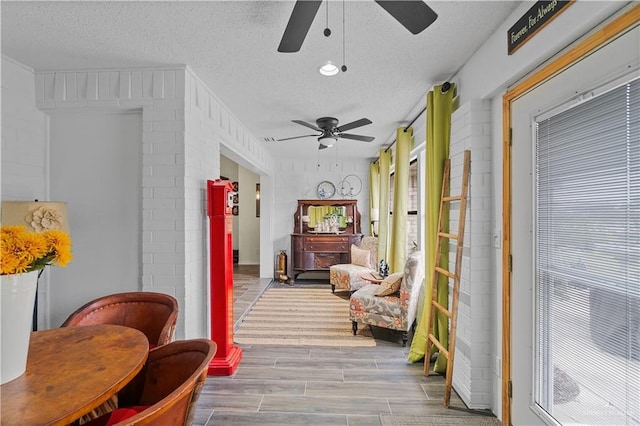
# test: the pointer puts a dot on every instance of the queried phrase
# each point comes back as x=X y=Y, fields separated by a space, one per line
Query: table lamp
x=375 y=217
x=36 y=216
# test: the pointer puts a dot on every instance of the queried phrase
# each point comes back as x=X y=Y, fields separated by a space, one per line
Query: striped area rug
x=301 y=317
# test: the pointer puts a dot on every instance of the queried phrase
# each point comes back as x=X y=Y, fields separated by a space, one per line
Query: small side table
x=372 y=278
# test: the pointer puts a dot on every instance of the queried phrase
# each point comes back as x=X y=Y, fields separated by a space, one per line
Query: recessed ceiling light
x=329 y=69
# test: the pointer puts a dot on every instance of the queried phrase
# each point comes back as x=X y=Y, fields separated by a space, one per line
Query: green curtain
x=374 y=192
x=398 y=249
x=439 y=107
x=384 y=161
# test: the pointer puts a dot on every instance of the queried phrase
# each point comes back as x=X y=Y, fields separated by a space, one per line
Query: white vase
x=18 y=293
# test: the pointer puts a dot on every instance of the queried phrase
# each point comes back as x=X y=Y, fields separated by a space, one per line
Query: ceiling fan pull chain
x=327 y=31
x=344 y=66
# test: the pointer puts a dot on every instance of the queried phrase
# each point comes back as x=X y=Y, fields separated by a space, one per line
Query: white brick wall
x=208 y=124
x=183 y=127
x=472 y=377
x=24 y=150
x=24 y=157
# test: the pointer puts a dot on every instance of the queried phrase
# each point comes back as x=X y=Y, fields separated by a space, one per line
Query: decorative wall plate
x=350 y=186
x=325 y=189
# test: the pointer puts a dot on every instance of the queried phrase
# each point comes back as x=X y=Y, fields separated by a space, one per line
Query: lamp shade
x=375 y=215
x=36 y=215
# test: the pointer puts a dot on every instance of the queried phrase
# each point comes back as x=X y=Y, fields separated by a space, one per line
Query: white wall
x=249 y=229
x=24 y=132
x=474 y=358
x=96 y=169
x=183 y=127
x=485 y=77
x=490 y=70
x=229 y=169
x=24 y=152
x=208 y=126
x=297 y=179
x=246 y=226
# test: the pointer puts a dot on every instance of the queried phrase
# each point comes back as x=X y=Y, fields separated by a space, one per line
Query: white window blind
x=587 y=233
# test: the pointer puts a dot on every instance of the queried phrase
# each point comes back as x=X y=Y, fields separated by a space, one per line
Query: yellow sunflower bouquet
x=25 y=251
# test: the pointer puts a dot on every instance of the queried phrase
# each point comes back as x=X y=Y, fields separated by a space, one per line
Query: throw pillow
x=360 y=257
x=390 y=285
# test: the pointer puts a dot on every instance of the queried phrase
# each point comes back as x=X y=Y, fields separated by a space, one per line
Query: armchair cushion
x=116 y=416
x=349 y=276
x=390 y=285
x=360 y=257
x=387 y=311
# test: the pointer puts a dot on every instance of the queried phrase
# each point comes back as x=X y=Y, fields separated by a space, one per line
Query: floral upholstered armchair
x=382 y=305
x=364 y=259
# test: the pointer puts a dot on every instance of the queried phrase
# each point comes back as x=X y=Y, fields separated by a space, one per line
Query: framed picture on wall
x=234 y=210
x=235 y=198
x=235 y=186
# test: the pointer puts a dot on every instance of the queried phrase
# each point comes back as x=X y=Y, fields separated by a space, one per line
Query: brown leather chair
x=167 y=388
x=155 y=314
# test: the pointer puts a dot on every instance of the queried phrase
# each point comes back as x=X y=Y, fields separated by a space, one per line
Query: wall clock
x=325 y=190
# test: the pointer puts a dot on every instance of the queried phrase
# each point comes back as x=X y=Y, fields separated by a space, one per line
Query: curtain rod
x=444 y=89
x=407 y=126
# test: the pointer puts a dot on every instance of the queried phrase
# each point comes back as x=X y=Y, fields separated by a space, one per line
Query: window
x=413 y=238
x=588 y=260
x=412 y=208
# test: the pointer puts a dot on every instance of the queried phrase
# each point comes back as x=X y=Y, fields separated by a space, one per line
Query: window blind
x=587 y=229
x=412 y=205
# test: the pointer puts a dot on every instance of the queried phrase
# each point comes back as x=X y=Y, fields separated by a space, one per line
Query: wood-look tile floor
x=296 y=385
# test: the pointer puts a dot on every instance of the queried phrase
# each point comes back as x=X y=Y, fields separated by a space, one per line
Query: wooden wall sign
x=536 y=18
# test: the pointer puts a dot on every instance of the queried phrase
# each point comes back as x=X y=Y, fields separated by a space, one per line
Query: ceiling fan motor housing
x=327 y=123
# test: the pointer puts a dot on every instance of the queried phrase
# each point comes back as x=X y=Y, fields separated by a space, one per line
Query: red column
x=219 y=203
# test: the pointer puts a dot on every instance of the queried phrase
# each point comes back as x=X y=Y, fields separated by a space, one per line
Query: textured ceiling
x=231 y=46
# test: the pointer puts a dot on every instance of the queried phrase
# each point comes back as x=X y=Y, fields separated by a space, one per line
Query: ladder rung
x=445 y=272
x=446 y=235
x=452 y=198
x=441 y=348
x=441 y=308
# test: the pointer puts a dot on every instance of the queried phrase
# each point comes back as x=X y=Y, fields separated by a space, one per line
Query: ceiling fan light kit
x=328 y=69
x=327 y=141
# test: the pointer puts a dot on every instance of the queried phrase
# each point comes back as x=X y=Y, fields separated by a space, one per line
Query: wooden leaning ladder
x=452 y=314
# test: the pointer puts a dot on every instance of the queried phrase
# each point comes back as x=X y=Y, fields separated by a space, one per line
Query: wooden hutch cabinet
x=317 y=250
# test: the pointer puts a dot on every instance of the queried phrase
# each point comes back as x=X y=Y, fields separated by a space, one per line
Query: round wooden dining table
x=71 y=371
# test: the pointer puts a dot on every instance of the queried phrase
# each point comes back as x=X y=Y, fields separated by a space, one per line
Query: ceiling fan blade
x=298 y=26
x=353 y=125
x=296 y=137
x=309 y=125
x=415 y=15
x=356 y=137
